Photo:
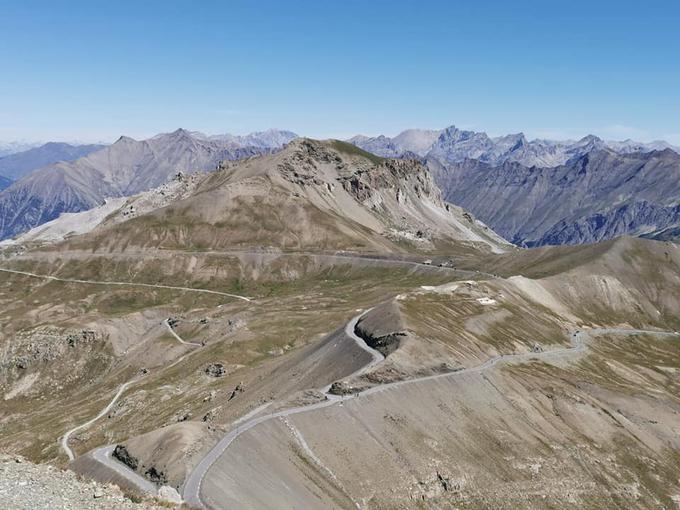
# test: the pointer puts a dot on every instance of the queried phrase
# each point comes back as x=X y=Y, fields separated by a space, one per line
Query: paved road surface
x=103 y=456
x=192 y=486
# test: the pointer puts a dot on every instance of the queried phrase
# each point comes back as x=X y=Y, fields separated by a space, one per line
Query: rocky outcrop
x=121 y=453
x=215 y=370
x=156 y=476
x=385 y=344
x=45 y=344
x=382 y=328
x=238 y=389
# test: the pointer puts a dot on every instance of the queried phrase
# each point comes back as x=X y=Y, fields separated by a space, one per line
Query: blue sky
x=97 y=69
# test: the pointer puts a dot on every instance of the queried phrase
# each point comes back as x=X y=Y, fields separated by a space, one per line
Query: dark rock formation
x=156 y=476
x=215 y=370
x=120 y=453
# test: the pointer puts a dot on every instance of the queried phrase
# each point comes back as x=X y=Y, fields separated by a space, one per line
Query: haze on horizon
x=91 y=71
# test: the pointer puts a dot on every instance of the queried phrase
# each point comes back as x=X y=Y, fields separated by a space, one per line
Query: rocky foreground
x=24 y=485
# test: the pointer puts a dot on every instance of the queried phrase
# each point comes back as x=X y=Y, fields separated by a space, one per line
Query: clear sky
x=92 y=70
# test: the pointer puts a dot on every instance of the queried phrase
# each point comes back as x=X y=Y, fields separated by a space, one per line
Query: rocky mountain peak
x=363 y=175
x=452 y=135
x=180 y=132
x=123 y=140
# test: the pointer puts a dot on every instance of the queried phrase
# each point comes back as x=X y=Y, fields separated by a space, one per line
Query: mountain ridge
x=313 y=194
x=18 y=165
x=454 y=145
x=595 y=197
x=124 y=168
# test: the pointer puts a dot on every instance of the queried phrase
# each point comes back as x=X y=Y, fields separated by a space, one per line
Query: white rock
x=167 y=493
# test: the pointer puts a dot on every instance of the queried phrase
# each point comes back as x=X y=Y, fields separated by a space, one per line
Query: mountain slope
x=596 y=197
x=126 y=167
x=16 y=166
x=4 y=182
x=416 y=141
x=114 y=210
x=311 y=195
x=263 y=139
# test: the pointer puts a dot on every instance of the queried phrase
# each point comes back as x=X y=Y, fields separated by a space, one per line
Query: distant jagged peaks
x=454 y=145
x=597 y=195
x=536 y=192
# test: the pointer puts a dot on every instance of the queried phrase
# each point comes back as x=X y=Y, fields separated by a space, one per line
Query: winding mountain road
x=341 y=256
x=65 y=438
x=103 y=456
x=192 y=486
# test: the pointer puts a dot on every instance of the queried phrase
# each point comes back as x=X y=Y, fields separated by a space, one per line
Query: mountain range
x=17 y=165
x=124 y=168
x=597 y=196
x=533 y=192
x=312 y=194
x=228 y=339
x=12 y=147
x=551 y=192
x=453 y=145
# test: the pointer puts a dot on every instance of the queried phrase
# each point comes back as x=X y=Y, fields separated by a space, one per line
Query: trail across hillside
x=66 y=437
x=130 y=284
x=349 y=256
x=102 y=454
x=177 y=337
x=192 y=486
